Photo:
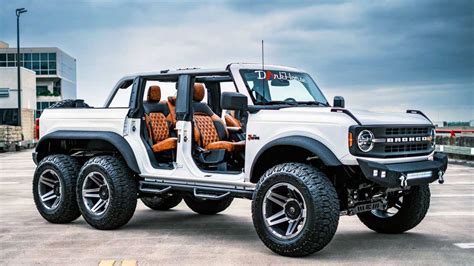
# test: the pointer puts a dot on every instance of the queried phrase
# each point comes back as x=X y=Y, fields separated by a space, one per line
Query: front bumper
x=405 y=174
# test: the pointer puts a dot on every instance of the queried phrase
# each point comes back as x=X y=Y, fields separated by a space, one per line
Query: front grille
x=406 y=148
x=396 y=141
x=404 y=131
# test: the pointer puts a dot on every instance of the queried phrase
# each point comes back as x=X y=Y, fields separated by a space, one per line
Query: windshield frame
x=324 y=103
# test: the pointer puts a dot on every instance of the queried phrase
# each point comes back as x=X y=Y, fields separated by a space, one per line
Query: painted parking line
x=106 y=263
x=452 y=196
x=450 y=214
x=458 y=183
x=9 y=183
x=123 y=263
x=129 y=263
x=464 y=245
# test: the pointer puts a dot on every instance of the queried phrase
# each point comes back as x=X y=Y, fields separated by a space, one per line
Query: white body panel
x=87 y=119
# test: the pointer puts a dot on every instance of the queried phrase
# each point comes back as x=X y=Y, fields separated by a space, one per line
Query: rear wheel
x=405 y=211
x=162 y=202
x=54 y=188
x=295 y=209
x=207 y=206
x=106 y=192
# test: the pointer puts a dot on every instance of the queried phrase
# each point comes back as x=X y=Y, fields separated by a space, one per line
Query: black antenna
x=264 y=74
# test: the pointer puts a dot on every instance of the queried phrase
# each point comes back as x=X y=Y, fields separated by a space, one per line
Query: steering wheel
x=291 y=100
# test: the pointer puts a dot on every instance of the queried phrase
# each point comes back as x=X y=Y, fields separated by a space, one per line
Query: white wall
x=8 y=79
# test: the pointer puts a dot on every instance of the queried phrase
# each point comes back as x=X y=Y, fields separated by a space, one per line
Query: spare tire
x=70 y=103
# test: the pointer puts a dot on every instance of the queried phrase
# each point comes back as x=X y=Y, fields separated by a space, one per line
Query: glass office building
x=55 y=72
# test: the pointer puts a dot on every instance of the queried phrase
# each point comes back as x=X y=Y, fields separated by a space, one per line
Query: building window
x=42 y=91
x=44 y=57
x=9 y=117
x=3 y=57
x=35 y=56
x=52 y=56
x=4 y=92
x=11 y=57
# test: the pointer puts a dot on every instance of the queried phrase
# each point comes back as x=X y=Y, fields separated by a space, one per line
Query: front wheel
x=295 y=209
x=406 y=209
x=106 y=192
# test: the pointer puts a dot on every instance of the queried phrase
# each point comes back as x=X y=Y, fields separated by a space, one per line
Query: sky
x=379 y=55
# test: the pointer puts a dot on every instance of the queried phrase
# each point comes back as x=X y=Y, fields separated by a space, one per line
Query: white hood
x=378 y=118
x=324 y=115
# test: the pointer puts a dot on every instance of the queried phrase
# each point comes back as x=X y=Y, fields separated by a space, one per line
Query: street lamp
x=19 y=11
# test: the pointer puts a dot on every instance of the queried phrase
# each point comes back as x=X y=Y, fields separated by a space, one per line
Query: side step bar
x=157 y=186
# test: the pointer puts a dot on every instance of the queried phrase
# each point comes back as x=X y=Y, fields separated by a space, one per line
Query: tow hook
x=440 y=177
x=403 y=181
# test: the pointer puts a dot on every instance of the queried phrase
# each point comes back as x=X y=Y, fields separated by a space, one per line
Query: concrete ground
x=183 y=237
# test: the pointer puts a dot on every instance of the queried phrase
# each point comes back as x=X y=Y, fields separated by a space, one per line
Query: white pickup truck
x=262 y=133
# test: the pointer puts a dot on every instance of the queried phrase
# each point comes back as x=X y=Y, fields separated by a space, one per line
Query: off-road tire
x=70 y=103
x=67 y=169
x=162 y=203
x=122 y=194
x=414 y=208
x=205 y=206
x=322 y=209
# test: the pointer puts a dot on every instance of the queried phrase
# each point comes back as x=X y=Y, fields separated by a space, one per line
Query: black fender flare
x=113 y=138
x=312 y=145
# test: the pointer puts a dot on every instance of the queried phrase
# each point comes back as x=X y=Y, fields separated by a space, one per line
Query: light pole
x=18 y=13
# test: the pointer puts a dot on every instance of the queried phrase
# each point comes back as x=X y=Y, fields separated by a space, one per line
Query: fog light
x=383 y=174
x=375 y=173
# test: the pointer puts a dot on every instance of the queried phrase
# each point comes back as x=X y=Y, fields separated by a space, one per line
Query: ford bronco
x=207 y=136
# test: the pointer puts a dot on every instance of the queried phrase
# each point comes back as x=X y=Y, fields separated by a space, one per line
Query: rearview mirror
x=339 y=102
x=233 y=101
x=280 y=82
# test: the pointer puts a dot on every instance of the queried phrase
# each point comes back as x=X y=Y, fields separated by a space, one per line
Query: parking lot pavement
x=446 y=236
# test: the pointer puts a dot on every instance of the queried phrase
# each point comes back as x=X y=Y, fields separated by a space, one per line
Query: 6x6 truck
x=264 y=134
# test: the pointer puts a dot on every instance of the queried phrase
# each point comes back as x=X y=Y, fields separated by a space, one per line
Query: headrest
x=198 y=92
x=154 y=94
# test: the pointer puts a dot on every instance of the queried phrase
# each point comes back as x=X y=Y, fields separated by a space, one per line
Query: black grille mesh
x=396 y=131
x=406 y=148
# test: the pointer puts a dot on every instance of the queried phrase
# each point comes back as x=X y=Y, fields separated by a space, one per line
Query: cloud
x=379 y=54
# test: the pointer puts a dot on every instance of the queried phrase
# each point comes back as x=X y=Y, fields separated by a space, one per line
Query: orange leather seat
x=210 y=132
x=157 y=118
x=231 y=121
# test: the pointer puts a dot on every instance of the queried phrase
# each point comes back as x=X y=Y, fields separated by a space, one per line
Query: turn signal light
x=350 y=139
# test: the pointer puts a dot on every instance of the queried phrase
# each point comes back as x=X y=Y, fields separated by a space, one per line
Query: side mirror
x=339 y=102
x=234 y=101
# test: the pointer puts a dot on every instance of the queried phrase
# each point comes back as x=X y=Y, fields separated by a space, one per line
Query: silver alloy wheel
x=96 y=193
x=50 y=189
x=392 y=210
x=284 y=211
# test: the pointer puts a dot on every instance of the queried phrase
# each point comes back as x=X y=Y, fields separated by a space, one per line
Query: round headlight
x=365 y=140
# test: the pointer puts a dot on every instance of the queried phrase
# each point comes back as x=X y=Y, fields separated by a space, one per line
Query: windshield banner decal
x=282 y=75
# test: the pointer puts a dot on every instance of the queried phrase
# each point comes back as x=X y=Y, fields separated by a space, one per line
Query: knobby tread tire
x=67 y=169
x=414 y=208
x=322 y=204
x=207 y=207
x=123 y=192
x=162 y=203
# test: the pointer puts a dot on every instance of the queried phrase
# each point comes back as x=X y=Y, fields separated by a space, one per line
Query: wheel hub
x=103 y=192
x=292 y=209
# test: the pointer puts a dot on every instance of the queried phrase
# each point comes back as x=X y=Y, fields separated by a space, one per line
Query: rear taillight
x=37 y=128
